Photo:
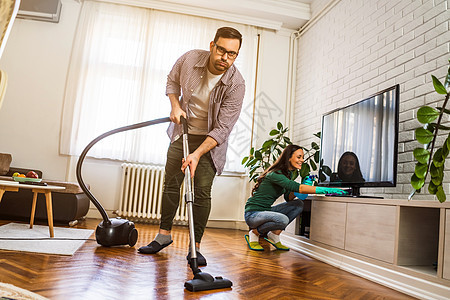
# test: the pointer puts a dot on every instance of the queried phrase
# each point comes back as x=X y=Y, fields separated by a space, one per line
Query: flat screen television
x=359 y=143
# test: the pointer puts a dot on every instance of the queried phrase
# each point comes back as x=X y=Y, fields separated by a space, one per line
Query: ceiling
x=289 y=14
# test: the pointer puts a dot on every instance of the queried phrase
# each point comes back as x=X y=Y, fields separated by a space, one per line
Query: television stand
x=403 y=243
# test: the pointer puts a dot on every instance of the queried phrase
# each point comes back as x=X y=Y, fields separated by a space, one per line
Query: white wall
x=361 y=47
x=37 y=58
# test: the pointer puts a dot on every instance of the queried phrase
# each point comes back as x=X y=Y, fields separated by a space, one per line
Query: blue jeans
x=278 y=218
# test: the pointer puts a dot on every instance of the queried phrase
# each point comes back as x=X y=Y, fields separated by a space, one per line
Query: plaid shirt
x=225 y=101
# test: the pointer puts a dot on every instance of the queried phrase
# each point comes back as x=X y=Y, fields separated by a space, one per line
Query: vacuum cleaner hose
x=107 y=223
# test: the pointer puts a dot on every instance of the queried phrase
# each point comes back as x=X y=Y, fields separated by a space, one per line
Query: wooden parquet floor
x=96 y=272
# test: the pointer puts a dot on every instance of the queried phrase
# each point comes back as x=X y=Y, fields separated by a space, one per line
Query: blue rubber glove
x=300 y=196
x=308 y=180
x=326 y=190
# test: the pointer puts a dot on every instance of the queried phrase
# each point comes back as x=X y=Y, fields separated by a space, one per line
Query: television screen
x=359 y=143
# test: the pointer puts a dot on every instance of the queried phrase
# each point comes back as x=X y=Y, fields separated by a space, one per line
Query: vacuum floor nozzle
x=204 y=281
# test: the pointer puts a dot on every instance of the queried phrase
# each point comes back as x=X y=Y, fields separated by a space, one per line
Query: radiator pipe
x=107 y=224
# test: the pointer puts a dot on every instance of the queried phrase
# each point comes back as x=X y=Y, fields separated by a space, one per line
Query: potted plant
x=262 y=158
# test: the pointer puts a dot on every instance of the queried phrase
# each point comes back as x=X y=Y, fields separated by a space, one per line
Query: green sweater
x=273 y=186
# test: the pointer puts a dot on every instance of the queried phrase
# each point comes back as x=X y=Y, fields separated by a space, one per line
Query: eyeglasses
x=221 y=51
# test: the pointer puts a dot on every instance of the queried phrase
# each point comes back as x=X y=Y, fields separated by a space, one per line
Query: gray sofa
x=69 y=205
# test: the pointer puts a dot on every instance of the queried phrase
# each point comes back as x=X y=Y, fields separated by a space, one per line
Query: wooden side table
x=13 y=186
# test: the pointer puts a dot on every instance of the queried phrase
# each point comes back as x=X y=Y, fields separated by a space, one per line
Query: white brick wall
x=361 y=47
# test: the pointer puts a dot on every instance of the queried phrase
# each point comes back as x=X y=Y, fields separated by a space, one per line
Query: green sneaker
x=278 y=245
x=255 y=246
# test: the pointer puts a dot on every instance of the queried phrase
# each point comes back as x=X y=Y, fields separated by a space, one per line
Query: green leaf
x=317 y=157
x=279 y=125
x=432 y=188
x=268 y=143
x=326 y=170
x=251 y=162
x=424 y=136
x=434 y=126
x=445 y=150
x=445 y=110
x=440 y=194
x=421 y=170
x=438 y=160
x=318 y=134
x=244 y=160
x=315 y=146
x=252 y=150
x=439 y=88
x=436 y=180
x=433 y=171
x=313 y=165
x=447 y=78
x=304 y=171
x=273 y=132
x=258 y=155
x=427 y=114
x=421 y=155
x=416 y=182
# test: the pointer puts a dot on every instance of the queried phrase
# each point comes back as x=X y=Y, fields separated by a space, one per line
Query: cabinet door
x=328 y=222
x=447 y=245
x=371 y=230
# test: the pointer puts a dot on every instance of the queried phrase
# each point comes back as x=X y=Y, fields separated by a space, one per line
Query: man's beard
x=221 y=65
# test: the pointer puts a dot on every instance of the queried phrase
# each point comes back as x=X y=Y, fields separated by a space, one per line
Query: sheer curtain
x=117 y=76
x=368 y=130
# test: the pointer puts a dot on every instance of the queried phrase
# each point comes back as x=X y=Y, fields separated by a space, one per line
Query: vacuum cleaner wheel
x=132 y=237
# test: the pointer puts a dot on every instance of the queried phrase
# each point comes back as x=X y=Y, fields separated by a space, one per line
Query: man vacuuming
x=212 y=91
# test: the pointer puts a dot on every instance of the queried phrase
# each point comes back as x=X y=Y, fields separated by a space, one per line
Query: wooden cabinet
x=446 y=268
x=402 y=233
x=371 y=230
x=328 y=222
x=405 y=244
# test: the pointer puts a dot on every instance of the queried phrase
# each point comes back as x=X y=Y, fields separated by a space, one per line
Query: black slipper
x=201 y=260
x=153 y=247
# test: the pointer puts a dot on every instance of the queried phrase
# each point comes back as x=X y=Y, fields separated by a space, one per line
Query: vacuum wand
x=202 y=281
x=189 y=198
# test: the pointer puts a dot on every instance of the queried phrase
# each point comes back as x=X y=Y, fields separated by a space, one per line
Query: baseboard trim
x=229 y=224
x=405 y=283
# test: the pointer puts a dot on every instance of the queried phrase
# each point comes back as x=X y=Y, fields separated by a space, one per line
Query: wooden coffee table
x=13 y=186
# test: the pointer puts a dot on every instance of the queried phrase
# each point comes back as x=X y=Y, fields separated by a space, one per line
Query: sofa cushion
x=5 y=162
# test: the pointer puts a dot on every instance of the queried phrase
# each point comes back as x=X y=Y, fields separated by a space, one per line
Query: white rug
x=9 y=291
x=65 y=242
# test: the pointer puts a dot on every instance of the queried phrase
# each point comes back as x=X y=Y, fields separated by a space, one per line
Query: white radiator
x=141 y=194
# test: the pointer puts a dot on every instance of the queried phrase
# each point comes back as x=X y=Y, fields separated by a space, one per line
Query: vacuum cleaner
x=202 y=281
x=116 y=231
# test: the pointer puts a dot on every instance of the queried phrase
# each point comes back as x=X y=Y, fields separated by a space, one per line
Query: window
x=117 y=77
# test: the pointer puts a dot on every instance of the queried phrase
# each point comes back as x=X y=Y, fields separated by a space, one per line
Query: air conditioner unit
x=41 y=10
